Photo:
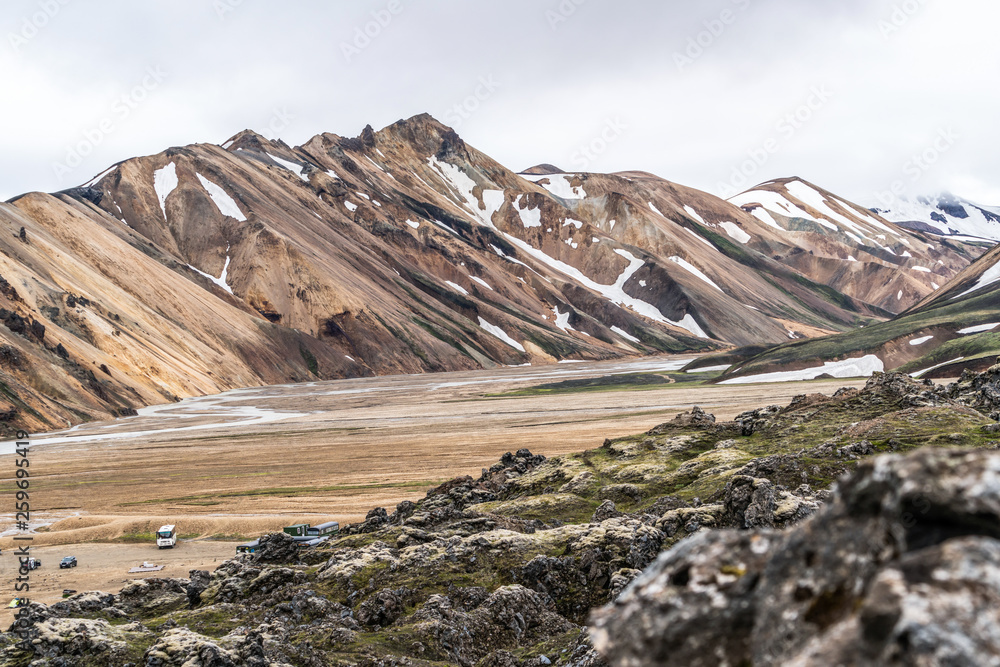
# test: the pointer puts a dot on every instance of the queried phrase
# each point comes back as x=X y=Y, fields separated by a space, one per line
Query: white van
x=166 y=537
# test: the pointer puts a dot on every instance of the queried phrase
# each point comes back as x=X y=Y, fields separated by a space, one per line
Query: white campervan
x=166 y=537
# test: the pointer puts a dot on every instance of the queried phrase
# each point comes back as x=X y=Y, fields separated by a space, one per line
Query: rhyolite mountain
x=848 y=247
x=955 y=329
x=206 y=268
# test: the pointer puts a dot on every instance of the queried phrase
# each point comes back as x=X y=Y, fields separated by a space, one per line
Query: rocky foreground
x=898 y=564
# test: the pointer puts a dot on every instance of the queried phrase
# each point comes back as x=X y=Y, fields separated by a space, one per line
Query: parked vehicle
x=310 y=541
x=67 y=562
x=166 y=537
x=31 y=563
x=298 y=530
x=323 y=529
x=248 y=548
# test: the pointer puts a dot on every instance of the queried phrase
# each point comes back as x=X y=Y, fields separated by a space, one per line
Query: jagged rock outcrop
x=504 y=569
x=979 y=390
x=900 y=568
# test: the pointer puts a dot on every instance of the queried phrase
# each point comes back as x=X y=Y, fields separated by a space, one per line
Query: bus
x=323 y=529
x=166 y=537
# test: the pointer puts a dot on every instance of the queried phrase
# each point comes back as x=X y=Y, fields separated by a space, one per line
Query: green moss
x=566 y=508
x=310 y=360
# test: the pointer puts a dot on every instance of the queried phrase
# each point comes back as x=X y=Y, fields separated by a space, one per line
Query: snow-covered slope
x=944 y=214
x=956 y=328
x=848 y=247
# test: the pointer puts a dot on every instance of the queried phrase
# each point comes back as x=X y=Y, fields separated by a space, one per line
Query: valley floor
x=249 y=461
x=104 y=567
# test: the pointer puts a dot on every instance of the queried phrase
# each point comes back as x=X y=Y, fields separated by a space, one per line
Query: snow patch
x=351 y=206
x=933 y=368
x=709 y=369
x=614 y=293
x=978 y=329
x=414 y=225
x=735 y=232
x=92 y=182
x=920 y=341
x=226 y=204
x=562 y=319
x=464 y=186
x=700 y=238
x=625 y=335
x=221 y=281
x=530 y=217
x=861 y=367
x=500 y=333
x=561 y=185
x=165 y=182
x=989 y=277
x=293 y=167
x=774 y=202
x=694 y=214
x=765 y=217
x=693 y=270
x=481 y=282
x=457 y=288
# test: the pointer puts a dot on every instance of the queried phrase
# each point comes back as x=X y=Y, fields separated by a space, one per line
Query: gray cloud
x=709 y=94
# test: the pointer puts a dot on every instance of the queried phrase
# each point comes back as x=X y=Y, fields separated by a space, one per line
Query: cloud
x=563 y=70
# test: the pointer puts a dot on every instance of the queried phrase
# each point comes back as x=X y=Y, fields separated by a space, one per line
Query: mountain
x=944 y=214
x=849 y=248
x=205 y=268
x=955 y=329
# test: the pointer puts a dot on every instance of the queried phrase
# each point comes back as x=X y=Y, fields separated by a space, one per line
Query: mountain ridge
x=401 y=250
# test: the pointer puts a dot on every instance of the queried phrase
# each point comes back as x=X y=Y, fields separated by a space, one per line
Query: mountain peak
x=248 y=140
x=543 y=169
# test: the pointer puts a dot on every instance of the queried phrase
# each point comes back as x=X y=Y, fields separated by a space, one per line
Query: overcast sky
x=854 y=95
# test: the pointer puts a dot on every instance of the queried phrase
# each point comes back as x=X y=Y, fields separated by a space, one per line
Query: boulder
x=899 y=568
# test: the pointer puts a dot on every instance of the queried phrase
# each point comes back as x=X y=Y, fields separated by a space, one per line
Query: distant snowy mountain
x=945 y=214
x=841 y=244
